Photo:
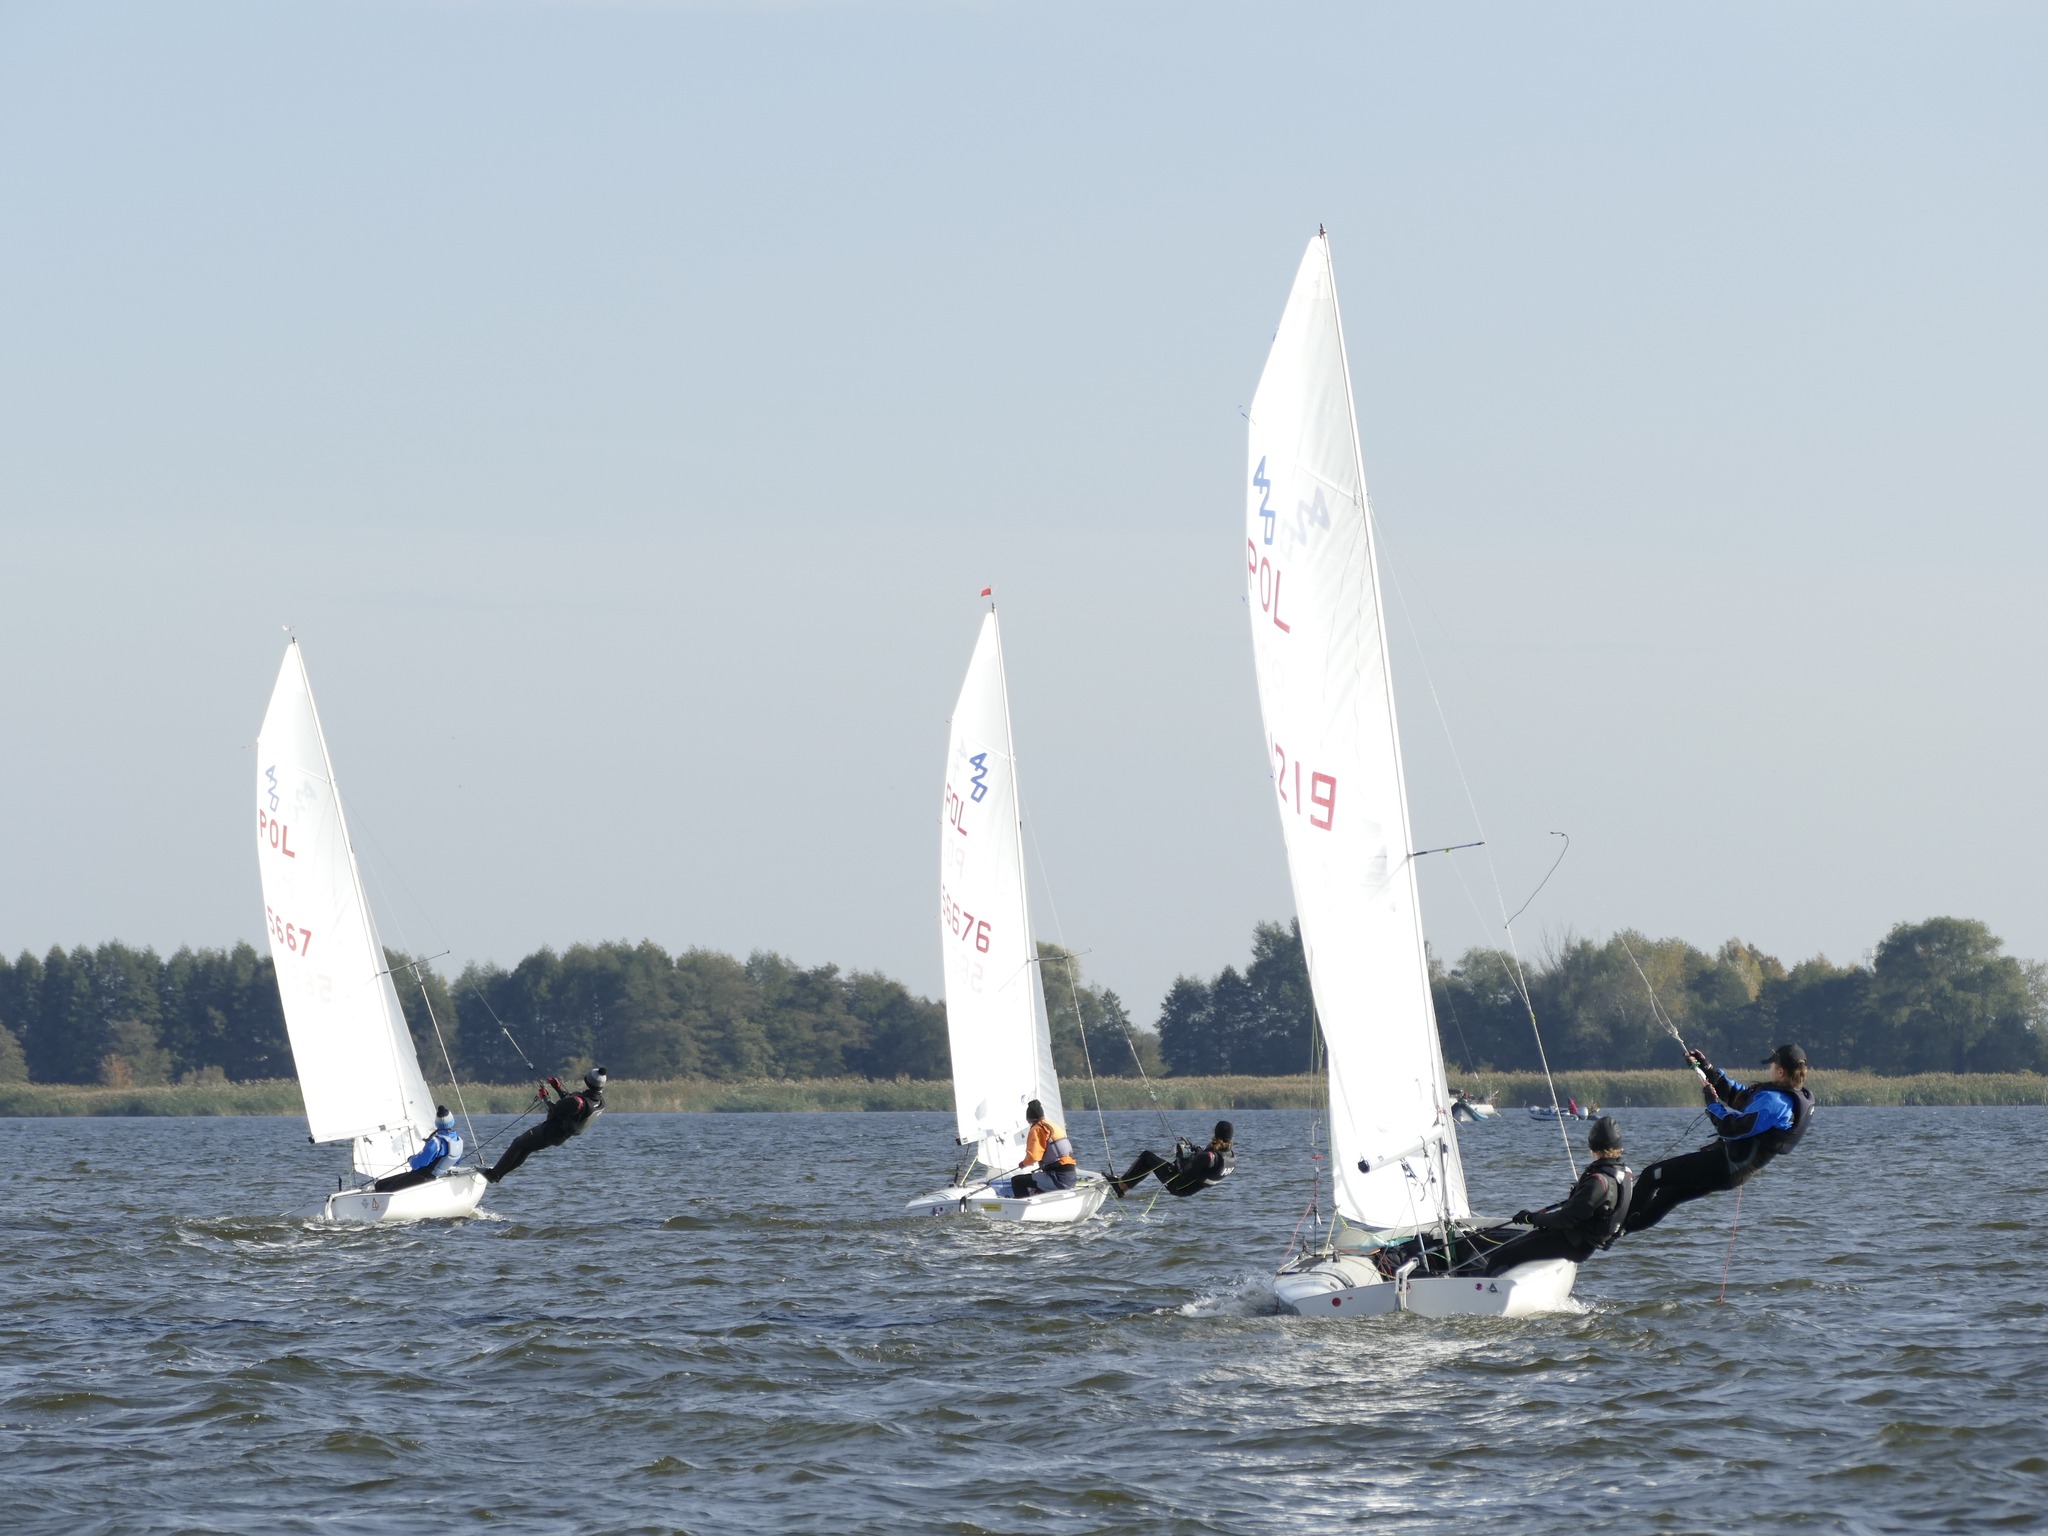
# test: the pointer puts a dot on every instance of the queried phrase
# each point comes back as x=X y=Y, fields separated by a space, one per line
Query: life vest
x=575 y=1111
x=1750 y=1153
x=1059 y=1152
x=1625 y=1181
x=451 y=1154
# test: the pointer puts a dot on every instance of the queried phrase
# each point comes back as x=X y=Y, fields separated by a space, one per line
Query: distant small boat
x=1469 y=1109
x=1573 y=1110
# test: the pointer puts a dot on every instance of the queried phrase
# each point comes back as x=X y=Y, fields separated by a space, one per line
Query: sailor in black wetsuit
x=1753 y=1126
x=569 y=1114
x=1577 y=1227
x=1190 y=1170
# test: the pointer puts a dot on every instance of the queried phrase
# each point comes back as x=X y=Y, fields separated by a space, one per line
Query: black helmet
x=594 y=1079
x=1605 y=1136
x=1034 y=1112
x=1225 y=1131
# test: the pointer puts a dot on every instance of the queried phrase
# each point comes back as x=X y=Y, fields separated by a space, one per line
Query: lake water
x=718 y=1323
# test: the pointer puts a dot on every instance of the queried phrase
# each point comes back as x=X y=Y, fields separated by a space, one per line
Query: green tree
x=1947 y=999
x=13 y=1061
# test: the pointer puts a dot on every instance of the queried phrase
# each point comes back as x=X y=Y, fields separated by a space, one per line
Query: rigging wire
x=453 y=1081
x=1313 y=1212
x=1073 y=986
x=1507 y=923
x=398 y=916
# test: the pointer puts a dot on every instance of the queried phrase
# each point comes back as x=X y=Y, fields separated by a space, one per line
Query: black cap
x=1225 y=1131
x=1605 y=1136
x=1034 y=1111
x=1786 y=1056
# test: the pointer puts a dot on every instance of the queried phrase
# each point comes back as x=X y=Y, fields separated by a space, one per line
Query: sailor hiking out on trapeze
x=1190 y=1170
x=1047 y=1154
x=1752 y=1125
x=1584 y=1222
x=569 y=1114
x=436 y=1160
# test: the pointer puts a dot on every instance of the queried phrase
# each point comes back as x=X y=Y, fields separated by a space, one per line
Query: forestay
x=1332 y=747
x=358 y=1072
x=995 y=1017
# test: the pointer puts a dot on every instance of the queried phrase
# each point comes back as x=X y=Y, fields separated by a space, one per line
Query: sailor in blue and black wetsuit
x=437 y=1159
x=1753 y=1126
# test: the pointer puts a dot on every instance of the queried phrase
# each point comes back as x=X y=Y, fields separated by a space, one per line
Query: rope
x=1729 y=1258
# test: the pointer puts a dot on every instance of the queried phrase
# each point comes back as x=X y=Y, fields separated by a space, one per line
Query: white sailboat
x=995 y=1007
x=358 y=1072
x=1333 y=748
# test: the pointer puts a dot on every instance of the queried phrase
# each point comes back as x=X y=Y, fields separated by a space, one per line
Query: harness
x=1625 y=1180
x=1196 y=1162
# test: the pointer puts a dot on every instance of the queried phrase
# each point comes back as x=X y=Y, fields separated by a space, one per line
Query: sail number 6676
x=963 y=924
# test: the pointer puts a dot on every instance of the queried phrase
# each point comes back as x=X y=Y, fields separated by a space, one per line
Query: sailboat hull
x=1054 y=1207
x=457 y=1195
x=1352 y=1287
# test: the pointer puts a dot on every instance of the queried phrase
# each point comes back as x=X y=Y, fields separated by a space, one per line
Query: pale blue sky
x=626 y=402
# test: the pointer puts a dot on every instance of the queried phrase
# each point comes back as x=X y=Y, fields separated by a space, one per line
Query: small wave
x=1246 y=1296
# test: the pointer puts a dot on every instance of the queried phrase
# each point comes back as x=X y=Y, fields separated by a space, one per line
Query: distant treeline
x=124 y=1017
x=1937 y=996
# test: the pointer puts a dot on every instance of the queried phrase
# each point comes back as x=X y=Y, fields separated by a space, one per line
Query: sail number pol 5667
x=294 y=938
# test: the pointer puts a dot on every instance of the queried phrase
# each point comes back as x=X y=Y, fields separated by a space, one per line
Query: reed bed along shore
x=1612 y=1090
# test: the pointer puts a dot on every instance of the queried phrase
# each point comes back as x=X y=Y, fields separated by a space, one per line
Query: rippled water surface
x=719 y=1323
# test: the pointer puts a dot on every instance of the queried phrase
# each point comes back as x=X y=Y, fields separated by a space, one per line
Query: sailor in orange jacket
x=1047 y=1153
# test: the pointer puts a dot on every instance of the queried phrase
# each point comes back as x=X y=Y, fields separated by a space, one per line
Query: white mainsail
x=1333 y=748
x=995 y=1015
x=358 y=1072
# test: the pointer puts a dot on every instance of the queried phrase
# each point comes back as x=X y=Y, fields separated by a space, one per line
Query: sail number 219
x=1321 y=805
